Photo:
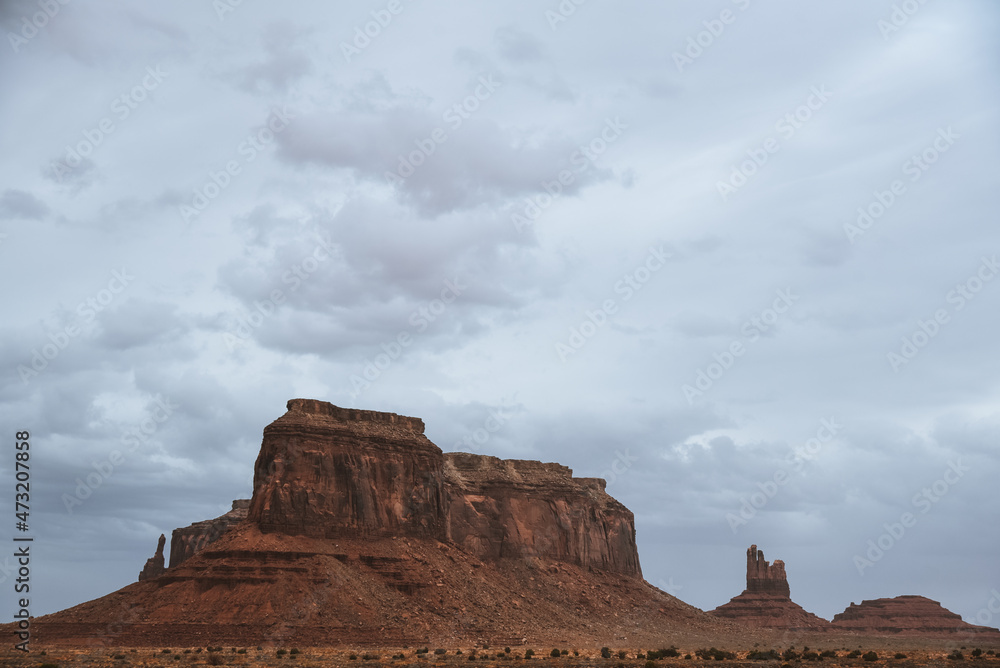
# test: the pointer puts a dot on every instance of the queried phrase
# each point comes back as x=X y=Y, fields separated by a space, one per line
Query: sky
x=735 y=257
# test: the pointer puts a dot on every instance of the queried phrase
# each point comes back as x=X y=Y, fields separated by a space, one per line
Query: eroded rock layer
x=907 y=615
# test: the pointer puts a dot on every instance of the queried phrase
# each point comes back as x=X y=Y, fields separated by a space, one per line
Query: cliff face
x=326 y=472
x=907 y=615
x=154 y=565
x=331 y=472
x=513 y=509
x=187 y=541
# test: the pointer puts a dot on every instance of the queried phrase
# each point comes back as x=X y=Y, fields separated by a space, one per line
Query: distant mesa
x=154 y=565
x=907 y=615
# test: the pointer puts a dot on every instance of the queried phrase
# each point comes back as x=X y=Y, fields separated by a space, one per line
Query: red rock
x=187 y=541
x=908 y=615
x=154 y=565
x=766 y=602
x=361 y=531
x=514 y=509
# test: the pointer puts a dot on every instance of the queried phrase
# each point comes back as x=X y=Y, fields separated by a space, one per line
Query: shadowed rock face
x=187 y=541
x=154 y=565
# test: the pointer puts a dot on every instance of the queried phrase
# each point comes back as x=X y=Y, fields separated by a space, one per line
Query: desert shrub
x=760 y=655
x=423 y=650
x=564 y=652
x=353 y=657
x=369 y=657
x=440 y=651
x=713 y=653
x=164 y=651
x=187 y=651
x=605 y=653
x=977 y=652
x=215 y=660
x=622 y=654
x=956 y=656
x=650 y=664
x=828 y=654
x=555 y=653
x=789 y=654
x=854 y=654
x=528 y=653
x=811 y=656
x=870 y=656
x=899 y=655
x=241 y=650
x=281 y=652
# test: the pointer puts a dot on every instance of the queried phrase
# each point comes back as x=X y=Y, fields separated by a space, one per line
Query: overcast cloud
x=677 y=241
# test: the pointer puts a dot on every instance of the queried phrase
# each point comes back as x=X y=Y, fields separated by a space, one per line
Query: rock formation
x=187 y=541
x=362 y=531
x=766 y=602
x=764 y=578
x=908 y=615
x=512 y=509
x=154 y=565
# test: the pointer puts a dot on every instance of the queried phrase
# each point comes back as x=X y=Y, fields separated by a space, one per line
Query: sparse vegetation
x=440 y=651
x=555 y=653
x=605 y=653
x=715 y=654
x=828 y=654
x=870 y=656
x=899 y=655
x=760 y=655
x=956 y=656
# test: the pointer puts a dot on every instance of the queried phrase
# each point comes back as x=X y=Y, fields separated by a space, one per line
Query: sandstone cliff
x=326 y=471
x=509 y=508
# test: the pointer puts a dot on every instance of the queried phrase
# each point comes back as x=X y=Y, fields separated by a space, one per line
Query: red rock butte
x=361 y=531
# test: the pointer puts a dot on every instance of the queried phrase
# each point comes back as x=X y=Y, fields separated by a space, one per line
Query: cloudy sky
x=735 y=256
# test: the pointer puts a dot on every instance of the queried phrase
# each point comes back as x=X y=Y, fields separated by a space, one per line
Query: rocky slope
x=907 y=615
